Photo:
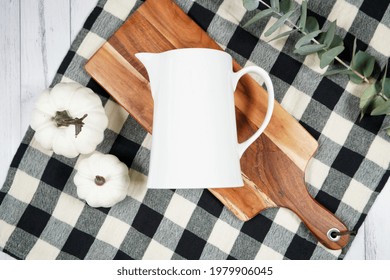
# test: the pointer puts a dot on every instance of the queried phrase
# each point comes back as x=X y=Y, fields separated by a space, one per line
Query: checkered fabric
x=42 y=217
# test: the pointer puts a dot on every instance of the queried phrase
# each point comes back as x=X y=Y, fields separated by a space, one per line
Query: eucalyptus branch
x=383 y=96
x=294 y=26
x=375 y=99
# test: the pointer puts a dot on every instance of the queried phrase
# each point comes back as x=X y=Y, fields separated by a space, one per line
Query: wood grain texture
x=273 y=167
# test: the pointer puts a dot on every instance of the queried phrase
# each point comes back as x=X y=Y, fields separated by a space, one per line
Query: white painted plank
x=79 y=11
x=357 y=250
x=9 y=87
x=5 y=257
x=372 y=241
x=45 y=35
x=34 y=39
x=377 y=227
x=9 y=84
x=43 y=31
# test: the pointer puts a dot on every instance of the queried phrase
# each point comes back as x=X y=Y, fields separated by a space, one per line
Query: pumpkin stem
x=99 y=180
x=62 y=118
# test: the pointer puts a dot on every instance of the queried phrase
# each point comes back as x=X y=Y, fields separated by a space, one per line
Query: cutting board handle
x=320 y=221
x=289 y=191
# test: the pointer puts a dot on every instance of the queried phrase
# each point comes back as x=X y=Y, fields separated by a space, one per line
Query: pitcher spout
x=149 y=60
x=151 y=63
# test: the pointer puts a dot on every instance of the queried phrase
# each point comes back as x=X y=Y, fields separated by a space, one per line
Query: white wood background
x=35 y=36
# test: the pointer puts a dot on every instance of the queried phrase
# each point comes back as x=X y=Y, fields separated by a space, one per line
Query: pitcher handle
x=270 y=89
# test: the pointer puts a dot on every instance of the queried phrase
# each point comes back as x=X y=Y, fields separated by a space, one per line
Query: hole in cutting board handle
x=334 y=234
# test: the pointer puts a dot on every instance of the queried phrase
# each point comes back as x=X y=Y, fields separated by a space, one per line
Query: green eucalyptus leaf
x=321 y=39
x=375 y=102
x=278 y=23
x=250 y=5
x=311 y=24
x=329 y=34
x=363 y=63
x=336 y=42
x=354 y=78
x=283 y=35
x=368 y=95
x=307 y=39
x=302 y=20
x=369 y=67
x=336 y=71
x=382 y=109
x=354 y=48
x=320 y=53
x=275 y=4
x=378 y=101
x=385 y=83
x=258 y=16
x=309 y=49
x=328 y=56
x=286 y=6
x=386 y=87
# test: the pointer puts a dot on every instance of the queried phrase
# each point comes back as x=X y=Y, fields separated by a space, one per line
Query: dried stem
x=384 y=97
x=100 y=180
x=62 y=118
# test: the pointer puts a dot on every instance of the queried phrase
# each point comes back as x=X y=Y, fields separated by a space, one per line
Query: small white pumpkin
x=69 y=119
x=102 y=180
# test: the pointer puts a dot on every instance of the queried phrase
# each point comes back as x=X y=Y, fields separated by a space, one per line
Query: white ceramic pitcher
x=194 y=143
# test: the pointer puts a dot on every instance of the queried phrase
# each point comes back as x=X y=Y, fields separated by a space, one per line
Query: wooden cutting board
x=272 y=168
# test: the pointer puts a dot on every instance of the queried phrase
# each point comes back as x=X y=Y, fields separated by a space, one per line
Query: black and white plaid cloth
x=42 y=218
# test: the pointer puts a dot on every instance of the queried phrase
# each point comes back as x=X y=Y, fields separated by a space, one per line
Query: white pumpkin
x=69 y=119
x=102 y=180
